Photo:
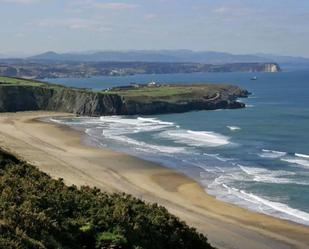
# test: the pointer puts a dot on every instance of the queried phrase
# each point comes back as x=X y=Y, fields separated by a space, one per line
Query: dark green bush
x=38 y=212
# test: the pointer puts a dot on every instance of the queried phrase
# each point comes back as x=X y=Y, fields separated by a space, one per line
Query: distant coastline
x=41 y=69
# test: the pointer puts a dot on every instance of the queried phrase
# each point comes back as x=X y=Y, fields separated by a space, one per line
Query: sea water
x=257 y=157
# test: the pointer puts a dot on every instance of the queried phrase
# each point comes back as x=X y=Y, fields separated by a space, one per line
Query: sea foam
x=270 y=207
x=302 y=155
x=195 y=138
x=257 y=203
x=270 y=176
x=300 y=162
x=233 y=128
x=271 y=154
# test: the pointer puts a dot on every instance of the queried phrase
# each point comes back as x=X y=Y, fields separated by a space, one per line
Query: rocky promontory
x=26 y=95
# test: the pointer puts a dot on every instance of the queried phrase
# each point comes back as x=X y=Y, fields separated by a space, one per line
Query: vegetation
x=37 y=212
x=20 y=82
x=13 y=81
x=173 y=92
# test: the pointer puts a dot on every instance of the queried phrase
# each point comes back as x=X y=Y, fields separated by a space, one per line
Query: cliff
x=271 y=68
x=180 y=98
x=24 y=95
x=24 y=98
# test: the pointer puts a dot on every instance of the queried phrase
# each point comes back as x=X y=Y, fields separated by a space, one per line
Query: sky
x=236 y=26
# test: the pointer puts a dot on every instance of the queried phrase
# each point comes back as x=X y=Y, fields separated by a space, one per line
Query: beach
x=60 y=152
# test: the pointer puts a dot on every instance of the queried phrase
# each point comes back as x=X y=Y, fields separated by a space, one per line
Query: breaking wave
x=266 y=206
x=196 y=138
x=272 y=154
x=234 y=128
x=270 y=176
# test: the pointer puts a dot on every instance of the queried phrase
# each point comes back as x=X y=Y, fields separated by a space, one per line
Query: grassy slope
x=174 y=93
x=37 y=212
x=11 y=81
x=164 y=91
x=20 y=82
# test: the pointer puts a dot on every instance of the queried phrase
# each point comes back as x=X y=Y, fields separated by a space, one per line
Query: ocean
x=257 y=157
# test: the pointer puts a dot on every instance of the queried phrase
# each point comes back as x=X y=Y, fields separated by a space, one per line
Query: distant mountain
x=207 y=57
x=153 y=56
x=284 y=59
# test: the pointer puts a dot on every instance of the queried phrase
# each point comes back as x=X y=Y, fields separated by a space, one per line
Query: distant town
x=62 y=69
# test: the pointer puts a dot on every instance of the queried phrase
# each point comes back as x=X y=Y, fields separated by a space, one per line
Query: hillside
x=37 y=212
x=26 y=95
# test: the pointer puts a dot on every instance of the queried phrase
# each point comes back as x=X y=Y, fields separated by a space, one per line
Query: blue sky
x=237 y=26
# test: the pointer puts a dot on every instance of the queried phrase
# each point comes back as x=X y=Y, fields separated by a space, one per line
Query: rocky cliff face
x=271 y=68
x=26 y=98
x=226 y=99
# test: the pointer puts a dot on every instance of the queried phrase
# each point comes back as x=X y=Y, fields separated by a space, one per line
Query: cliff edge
x=27 y=95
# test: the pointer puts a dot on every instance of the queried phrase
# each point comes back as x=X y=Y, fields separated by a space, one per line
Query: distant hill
x=152 y=56
x=172 y=56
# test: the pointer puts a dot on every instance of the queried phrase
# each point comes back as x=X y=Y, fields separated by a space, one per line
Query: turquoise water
x=256 y=157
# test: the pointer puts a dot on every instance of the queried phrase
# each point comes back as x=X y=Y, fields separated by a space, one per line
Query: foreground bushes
x=37 y=212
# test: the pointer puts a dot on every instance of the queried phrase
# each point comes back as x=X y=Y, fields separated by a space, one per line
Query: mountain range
x=152 y=56
x=209 y=57
x=206 y=57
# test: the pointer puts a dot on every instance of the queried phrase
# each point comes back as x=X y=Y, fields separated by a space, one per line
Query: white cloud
x=74 y=24
x=93 y=4
x=151 y=16
x=21 y=1
x=115 y=6
x=232 y=10
x=20 y=35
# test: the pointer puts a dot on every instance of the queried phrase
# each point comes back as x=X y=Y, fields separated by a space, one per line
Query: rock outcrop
x=224 y=99
x=26 y=98
x=271 y=68
x=15 y=98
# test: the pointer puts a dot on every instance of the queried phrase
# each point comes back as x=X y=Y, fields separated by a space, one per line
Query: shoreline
x=58 y=150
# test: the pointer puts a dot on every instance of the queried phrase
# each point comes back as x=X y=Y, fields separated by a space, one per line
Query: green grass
x=20 y=82
x=163 y=92
x=11 y=81
x=171 y=91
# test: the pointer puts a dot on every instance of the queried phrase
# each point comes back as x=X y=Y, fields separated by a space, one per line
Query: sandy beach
x=59 y=151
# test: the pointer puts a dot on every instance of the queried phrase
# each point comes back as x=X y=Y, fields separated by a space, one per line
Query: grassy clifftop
x=176 y=92
x=37 y=212
x=19 y=81
x=157 y=99
x=28 y=95
x=11 y=81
